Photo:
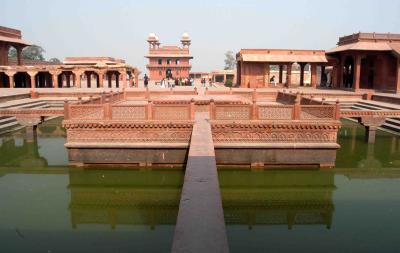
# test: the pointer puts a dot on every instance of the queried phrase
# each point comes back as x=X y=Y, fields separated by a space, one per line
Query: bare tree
x=230 y=60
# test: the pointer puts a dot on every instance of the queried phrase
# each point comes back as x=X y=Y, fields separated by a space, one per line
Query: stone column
x=266 y=74
x=398 y=76
x=371 y=124
x=88 y=80
x=323 y=75
x=123 y=75
x=289 y=74
x=314 y=75
x=31 y=133
x=68 y=79
x=32 y=75
x=54 y=76
x=302 y=66
x=10 y=75
x=19 y=55
x=357 y=72
x=78 y=78
x=339 y=80
x=280 y=73
x=109 y=79
x=101 y=79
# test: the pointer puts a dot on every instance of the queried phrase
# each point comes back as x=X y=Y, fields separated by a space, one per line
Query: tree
x=33 y=52
x=55 y=60
x=230 y=60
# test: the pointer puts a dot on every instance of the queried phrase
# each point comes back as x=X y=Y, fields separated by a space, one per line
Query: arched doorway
x=348 y=72
x=22 y=80
x=4 y=80
x=92 y=79
x=168 y=73
x=43 y=80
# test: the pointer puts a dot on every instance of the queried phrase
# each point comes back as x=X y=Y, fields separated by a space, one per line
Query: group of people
x=172 y=82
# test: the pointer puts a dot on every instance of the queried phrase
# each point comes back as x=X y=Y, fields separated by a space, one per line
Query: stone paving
x=200 y=226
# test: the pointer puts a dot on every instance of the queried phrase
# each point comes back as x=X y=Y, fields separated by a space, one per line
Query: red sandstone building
x=79 y=72
x=254 y=66
x=168 y=61
x=368 y=61
x=360 y=61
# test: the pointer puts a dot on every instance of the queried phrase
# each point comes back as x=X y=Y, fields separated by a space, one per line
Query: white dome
x=152 y=35
x=157 y=38
x=185 y=35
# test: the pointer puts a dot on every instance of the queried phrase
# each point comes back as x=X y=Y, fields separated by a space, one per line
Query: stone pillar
x=109 y=79
x=136 y=80
x=357 y=72
x=117 y=79
x=322 y=75
x=339 y=81
x=314 y=75
x=101 y=79
x=19 y=55
x=371 y=124
x=266 y=74
x=11 y=78
x=32 y=75
x=68 y=79
x=302 y=66
x=88 y=80
x=280 y=73
x=31 y=133
x=54 y=77
x=78 y=78
x=289 y=74
x=398 y=76
x=123 y=75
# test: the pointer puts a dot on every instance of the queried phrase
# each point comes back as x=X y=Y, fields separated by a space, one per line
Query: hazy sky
x=120 y=28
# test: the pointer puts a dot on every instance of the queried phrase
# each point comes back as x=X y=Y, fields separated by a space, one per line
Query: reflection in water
x=124 y=197
x=277 y=198
x=136 y=210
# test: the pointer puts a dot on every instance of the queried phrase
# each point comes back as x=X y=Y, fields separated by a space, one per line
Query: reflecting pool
x=45 y=206
x=354 y=207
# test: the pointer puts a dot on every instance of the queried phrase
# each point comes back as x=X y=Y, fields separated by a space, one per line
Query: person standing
x=146 y=80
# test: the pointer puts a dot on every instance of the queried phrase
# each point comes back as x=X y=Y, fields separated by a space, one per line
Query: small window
x=168 y=61
x=159 y=73
x=177 y=61
x=159 y=61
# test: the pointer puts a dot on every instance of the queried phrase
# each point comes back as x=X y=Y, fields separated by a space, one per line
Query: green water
x=354 y=207
x=47 y=207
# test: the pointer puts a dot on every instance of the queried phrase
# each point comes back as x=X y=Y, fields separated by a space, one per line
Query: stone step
x=7 y=119
x=19 y=103
x=368 y=107
x=379 y=105
x=393 y=121
x=394 y=128
x=9 y=126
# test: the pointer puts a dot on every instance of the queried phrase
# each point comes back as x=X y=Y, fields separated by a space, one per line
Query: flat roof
x=282 y=55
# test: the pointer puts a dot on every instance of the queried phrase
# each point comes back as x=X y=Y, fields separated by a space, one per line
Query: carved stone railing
x=274 y=112
x=150 y=111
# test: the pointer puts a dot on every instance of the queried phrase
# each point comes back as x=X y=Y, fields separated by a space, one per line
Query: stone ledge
x=277 y=145
x=125 y=145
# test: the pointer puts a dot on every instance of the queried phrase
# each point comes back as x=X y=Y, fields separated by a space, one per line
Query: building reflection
x=124 y=197
x=16 y=151
x=278 y=197
x=151 y=198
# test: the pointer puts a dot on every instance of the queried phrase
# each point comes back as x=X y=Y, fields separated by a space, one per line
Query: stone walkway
x=200 y=226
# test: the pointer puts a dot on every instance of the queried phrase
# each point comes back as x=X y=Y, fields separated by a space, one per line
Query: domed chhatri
x=185 y=35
